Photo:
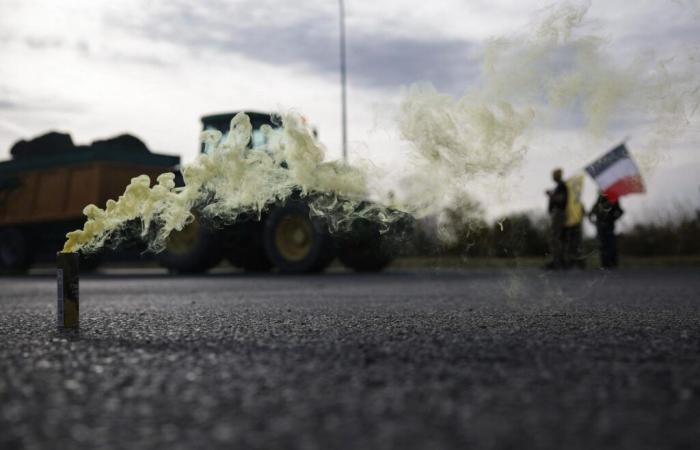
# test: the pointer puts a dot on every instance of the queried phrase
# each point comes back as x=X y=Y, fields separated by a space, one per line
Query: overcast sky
x=152 y=68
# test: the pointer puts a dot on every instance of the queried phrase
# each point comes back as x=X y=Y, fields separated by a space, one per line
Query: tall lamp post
x=343 y=81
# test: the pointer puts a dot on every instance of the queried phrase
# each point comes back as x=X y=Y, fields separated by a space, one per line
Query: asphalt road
x=406 y=359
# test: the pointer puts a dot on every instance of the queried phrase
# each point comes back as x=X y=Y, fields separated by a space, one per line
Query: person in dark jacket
x=603 y=215
x=557 y=218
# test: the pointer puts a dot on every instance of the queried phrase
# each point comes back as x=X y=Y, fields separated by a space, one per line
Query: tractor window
x=258 y=139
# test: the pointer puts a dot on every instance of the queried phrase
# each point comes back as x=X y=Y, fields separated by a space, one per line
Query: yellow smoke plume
x=556 y=65
x=230 y=179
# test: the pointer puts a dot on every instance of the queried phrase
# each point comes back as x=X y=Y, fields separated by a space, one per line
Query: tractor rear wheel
x=194 y=249
x=365 y=249
x=365 y=257
x=295 y=242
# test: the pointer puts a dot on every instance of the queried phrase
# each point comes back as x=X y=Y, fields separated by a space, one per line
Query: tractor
x=286 y=236
x=49 y=180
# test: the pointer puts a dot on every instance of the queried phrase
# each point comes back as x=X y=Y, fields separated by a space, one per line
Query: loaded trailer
x=48 y=182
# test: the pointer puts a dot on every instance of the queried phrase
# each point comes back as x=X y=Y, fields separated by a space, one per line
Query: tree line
x=463 y=231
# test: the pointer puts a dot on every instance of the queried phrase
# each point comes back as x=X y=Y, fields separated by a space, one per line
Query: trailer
x=48 y=182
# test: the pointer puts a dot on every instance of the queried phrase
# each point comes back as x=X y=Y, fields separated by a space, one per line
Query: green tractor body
x=285 y=237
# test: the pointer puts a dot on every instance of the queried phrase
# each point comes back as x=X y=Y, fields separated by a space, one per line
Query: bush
x=519 y=235
x=463 y=231
x=679 y=237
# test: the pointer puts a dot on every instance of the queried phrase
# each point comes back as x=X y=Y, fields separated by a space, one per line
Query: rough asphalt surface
x=407 y=360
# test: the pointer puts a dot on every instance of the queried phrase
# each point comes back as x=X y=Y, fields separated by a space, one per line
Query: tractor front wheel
x=194 y=249
x=245 y=247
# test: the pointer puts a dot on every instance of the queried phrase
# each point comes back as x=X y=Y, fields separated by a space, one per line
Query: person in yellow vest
x=573 y=233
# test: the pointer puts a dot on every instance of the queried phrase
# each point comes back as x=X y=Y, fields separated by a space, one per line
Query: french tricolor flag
x=616 y=174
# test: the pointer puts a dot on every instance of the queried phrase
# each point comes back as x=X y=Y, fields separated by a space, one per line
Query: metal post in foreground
x=67 y=276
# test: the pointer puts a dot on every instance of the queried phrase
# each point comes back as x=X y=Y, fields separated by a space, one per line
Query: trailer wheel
x=194 y=249
x=296 y=243
x=16 y=255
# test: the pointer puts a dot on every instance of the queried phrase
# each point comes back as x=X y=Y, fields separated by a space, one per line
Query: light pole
x=343 y=81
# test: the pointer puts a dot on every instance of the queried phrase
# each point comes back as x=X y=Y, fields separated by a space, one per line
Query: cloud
x=40 y=43
x=18 y=102
x=8 y=104
x=377 y=57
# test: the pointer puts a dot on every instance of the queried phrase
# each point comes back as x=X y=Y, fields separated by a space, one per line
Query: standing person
x=573 y=232
x=558 y=198
x=604 y=214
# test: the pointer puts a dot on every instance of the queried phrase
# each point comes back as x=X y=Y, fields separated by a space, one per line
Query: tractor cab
x=222 y=122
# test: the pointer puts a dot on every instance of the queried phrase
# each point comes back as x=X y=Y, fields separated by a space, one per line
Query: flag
x=574 y=207
x=616 y=174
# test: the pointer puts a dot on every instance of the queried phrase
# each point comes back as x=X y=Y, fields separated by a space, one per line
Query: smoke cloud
x=229 y=180
x=557 y=69
x=528 y=80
